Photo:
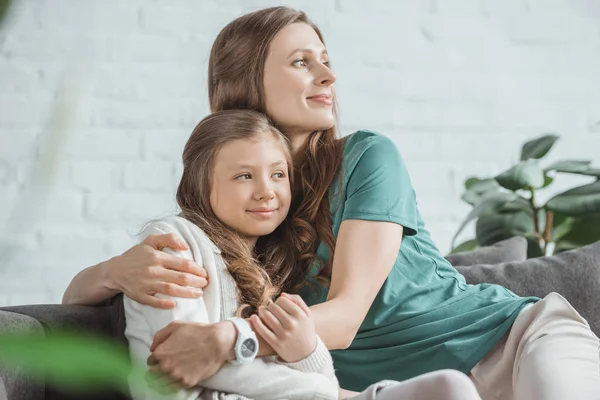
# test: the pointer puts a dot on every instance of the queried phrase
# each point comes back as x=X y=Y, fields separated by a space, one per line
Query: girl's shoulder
x=183 y=228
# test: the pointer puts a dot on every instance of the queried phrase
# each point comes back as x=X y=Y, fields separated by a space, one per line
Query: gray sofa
x=574 y=274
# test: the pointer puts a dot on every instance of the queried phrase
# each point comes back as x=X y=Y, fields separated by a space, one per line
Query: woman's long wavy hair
x=258 y=278
x=235 y=81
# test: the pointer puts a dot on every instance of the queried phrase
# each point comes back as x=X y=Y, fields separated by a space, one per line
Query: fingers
x=155 y=302
x=166 y=240
x=290 y=307
x=270 y=321
x=181 y=278
x=171 y=289
x=263 y=331
x=180 y=264
x=285 y=319
x=163 y=335
x=298 y=301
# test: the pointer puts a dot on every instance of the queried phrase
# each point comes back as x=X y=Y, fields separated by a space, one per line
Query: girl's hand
x=287 y=326
x=144 y=270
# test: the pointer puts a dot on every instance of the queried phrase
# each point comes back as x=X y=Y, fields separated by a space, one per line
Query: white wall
x=458 y=85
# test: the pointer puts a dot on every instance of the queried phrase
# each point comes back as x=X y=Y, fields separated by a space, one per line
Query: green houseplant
x=506 y=205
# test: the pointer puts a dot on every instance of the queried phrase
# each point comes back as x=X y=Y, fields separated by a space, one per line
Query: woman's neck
x=297 y=141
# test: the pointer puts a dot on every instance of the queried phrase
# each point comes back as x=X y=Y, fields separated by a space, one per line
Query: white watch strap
x=242 y=326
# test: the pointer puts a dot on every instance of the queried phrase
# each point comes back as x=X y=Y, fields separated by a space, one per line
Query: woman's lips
x=323 y=99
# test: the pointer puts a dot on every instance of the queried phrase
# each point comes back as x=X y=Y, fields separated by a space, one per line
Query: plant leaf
x=518 y=204
x=471 y=181
x=591 y=172
x=476 y=188
x=71 y=361
x=539 y=147
x=547 y=181
x=465 y=246
x=494 y=227
x=577 y=201
x=489 y=202
x=569 y=166
x=583 y=231
x=562 y=229
x=533 y=248
x=526 y=174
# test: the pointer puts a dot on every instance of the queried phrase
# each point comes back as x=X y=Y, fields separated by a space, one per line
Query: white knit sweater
x=311 y=378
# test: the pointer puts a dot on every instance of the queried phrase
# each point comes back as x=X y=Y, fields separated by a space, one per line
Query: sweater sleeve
x=319 y=361
x=143 y=322
x=260 y=379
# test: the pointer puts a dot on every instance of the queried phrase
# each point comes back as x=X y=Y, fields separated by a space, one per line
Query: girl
x=381 y=294
x=234 y=196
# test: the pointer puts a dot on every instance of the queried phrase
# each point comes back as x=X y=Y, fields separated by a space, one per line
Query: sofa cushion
x=574 y=274
x=513 y=249
x=14 y=384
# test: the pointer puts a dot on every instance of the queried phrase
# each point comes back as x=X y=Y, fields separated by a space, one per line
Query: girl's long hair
x=260 y=271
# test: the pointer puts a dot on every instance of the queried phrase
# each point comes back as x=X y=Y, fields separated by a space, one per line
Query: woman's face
x=298 y=83
x=250 y=190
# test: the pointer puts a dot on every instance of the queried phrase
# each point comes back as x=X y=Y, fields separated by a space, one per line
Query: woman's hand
x=288 y=327
x=190 y=352
x=145 y=270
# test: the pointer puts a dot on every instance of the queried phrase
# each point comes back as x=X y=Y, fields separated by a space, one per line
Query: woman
x=389 y=311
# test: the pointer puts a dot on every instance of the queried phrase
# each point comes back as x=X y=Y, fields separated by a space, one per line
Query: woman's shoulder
x=370 y=145
x=356 y=143
x=184 y=228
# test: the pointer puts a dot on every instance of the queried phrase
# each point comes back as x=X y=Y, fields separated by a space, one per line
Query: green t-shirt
x=425 y=317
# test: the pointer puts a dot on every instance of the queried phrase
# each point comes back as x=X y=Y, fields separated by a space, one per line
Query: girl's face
x=298 y=83
x=251 y=189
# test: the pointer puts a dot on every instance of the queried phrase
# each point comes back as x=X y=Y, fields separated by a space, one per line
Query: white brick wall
x=458 y=85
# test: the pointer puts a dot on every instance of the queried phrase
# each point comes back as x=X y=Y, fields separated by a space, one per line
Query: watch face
x=248 y=347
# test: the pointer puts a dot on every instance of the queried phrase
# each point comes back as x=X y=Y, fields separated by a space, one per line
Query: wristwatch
x=246 y=345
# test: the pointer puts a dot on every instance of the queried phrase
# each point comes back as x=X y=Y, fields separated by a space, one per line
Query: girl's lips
x=263 y=213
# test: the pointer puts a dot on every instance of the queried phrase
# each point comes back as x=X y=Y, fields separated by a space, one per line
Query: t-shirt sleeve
x=379 y=187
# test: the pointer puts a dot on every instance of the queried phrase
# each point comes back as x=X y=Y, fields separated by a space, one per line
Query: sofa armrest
x=14 y=384
x=107 y=320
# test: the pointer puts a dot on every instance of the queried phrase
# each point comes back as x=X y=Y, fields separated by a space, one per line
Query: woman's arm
x=140 y=272
x=364 y=256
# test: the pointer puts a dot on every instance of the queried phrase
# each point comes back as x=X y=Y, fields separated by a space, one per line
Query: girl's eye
x=327 y=64
x=300 y=63
x=279 y=175
x=243 y=177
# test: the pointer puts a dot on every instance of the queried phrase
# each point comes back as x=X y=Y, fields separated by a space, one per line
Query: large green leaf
x=539 y=147
x=71 y=361
x=583 y=231
x=526 y=174
x=494 y=227
x=465 y=246
x=572 y=166
x=489 y=202
x=476 y=188
x=577 y=201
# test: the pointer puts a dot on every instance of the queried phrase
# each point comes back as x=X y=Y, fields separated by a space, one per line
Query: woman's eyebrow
x=305 y=50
